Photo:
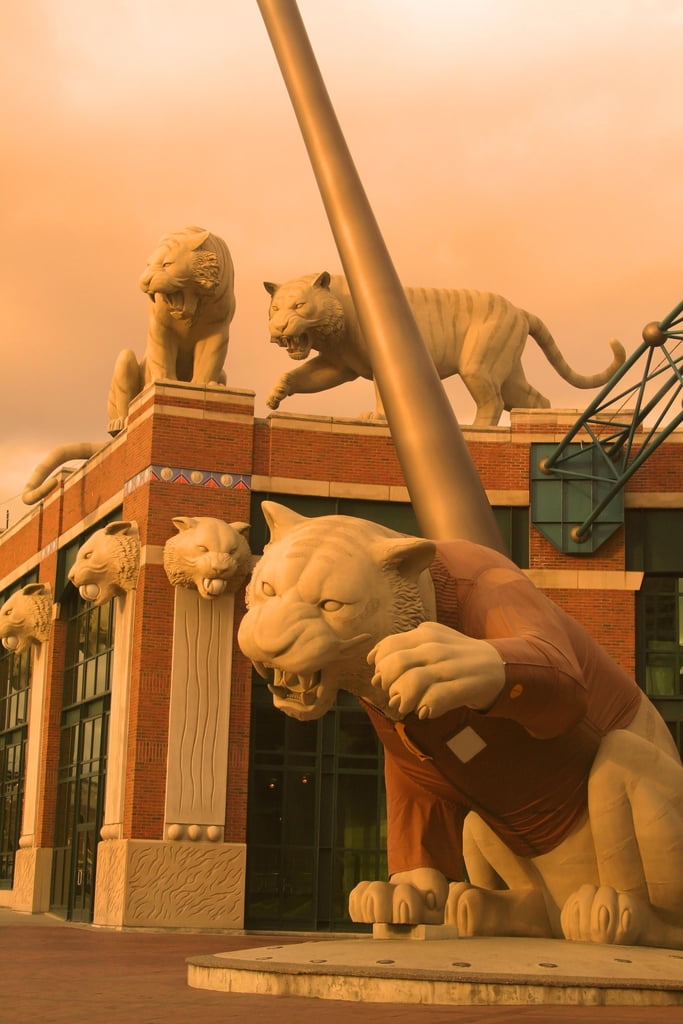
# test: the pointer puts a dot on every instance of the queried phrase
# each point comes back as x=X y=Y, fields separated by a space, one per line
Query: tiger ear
x=280 y=519
x=409 y=556
x=184 y=522
x=197 y=237
x=270 y=287
x=242 y=528
x=322 y=280
x=121 y=526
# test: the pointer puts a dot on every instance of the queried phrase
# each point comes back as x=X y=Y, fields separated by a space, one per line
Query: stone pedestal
x=464 y=972
x=168 y=884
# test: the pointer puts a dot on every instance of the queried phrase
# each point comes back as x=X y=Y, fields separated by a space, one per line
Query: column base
x=145 y=883
x=32 y=879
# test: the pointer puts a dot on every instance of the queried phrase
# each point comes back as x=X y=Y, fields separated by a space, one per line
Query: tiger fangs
x=303 y=687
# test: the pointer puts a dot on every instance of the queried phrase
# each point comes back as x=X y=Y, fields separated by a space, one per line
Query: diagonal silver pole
x=442 y=481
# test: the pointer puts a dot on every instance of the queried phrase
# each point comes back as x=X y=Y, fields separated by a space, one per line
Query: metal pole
x=442 y=481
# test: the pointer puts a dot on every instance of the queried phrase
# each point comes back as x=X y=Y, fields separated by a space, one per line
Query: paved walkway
x=56 y=973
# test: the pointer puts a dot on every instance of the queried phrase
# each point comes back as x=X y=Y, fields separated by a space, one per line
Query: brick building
x=145 y=784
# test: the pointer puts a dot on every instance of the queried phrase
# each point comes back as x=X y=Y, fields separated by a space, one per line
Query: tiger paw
x=601 y=914
x=411 y=897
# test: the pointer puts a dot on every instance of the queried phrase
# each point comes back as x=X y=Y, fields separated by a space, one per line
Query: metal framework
x=619 y=442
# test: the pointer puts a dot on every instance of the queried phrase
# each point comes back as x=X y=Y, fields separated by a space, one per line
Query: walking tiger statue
x=478 y=335
x=515 y=747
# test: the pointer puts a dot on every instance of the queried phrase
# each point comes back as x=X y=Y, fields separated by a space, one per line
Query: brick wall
x=212 y=437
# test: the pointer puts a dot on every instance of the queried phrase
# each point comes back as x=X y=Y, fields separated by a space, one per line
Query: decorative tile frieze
x=194 y=477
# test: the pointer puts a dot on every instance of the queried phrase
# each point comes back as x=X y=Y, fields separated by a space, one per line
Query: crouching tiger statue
x=515 y=748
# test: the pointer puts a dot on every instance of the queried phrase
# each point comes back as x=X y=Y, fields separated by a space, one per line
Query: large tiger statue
x=478 y=335
x=189 y=279
x=517 y=753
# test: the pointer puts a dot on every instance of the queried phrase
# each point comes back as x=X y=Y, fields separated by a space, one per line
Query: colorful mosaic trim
x=194 y=477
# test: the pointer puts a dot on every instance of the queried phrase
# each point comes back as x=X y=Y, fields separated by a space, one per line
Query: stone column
x=190 y=878
x=33 y=864
x=115 y=789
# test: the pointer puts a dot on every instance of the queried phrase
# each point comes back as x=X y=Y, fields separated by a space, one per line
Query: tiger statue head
x=324 y=593
x=107 y=564
x=186 y=267
x=303 y=314
x=208 y=555
x=25 y=617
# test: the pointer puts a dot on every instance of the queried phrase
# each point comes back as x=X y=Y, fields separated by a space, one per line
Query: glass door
x=80 y=792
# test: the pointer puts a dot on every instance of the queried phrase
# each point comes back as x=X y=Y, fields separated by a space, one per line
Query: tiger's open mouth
x=215 y=585
x=303 y=688
x=298 y=345
x=174 y=300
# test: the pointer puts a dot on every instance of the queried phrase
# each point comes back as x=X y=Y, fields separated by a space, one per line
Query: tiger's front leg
x=161 y=354
x=410 y=897
x=317 y=374
x=208 y=359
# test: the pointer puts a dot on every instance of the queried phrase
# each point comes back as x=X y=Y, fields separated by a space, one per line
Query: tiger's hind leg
x=518 y=393
x=506 y=894
x=486 y=394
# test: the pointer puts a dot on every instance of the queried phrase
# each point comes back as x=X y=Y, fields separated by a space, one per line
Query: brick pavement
x=55 y=973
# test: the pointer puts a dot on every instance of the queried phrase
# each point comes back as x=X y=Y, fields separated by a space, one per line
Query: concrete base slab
x=458 y=971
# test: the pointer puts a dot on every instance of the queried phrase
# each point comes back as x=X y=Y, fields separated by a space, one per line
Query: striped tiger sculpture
x=478 y=335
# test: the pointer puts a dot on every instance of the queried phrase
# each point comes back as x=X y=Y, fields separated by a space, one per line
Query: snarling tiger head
x=185 y=267
x=324 y=593
x=208 y=555
x=107 y=564
x=25 y=617
x=303 y=313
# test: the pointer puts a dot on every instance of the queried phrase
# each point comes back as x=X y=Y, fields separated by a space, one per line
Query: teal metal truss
x=577 y=486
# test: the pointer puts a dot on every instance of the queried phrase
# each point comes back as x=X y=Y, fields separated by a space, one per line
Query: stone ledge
x=453 y=971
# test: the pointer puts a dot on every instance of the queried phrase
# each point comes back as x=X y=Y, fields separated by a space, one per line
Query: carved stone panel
x=199 y=717
x=162 y=884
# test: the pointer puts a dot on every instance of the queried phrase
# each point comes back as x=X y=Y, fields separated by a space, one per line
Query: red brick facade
x=189 y=451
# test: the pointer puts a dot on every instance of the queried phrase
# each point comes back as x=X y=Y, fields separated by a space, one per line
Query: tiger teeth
x=304 y=688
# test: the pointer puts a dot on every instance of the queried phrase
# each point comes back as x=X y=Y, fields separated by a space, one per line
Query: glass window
x=15 y=685
x=654 y=540
x=661 y=599
x=317 y=819
x=660 y=647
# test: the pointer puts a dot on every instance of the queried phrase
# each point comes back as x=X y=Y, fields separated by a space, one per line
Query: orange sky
x=528 y=148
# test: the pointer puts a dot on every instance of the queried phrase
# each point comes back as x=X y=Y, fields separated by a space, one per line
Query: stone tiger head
x=208 y=554
x=302 y=313
x=324 y=593
x=107 y=564
x=25 y=617
x=187 y=267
